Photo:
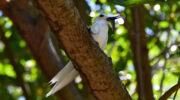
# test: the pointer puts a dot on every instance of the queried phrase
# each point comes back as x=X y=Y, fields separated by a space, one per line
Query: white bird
x=99 y=32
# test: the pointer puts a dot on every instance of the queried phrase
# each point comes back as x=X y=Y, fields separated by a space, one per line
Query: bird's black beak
x=112 y=21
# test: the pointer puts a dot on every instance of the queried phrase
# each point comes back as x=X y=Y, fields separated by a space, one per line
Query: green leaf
x=177 y=26
x=163 y=24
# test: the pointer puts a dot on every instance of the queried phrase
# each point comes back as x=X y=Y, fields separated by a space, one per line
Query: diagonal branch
x=169 y=92
x=89 y=60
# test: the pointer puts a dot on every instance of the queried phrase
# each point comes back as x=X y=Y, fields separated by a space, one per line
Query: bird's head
x=100 y=17
x=108 y=19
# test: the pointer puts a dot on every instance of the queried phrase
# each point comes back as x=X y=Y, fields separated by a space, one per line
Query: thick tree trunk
x=87 y=57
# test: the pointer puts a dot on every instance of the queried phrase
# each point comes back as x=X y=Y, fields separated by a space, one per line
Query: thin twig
x=164 y=50
x=169 y=92
x=164 y=66
x=176 y=90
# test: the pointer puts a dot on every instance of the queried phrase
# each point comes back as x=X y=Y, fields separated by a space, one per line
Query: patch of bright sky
x=157 y=7
x=30 y=63
x=8 y=24
x=93 y=5
x=161 y=63
x=174 y=36
x=152 y=13
x=1 y=13
x=110 y=14
x=120 y=20
x=174 y=48
x=167 y=55
x=174 y=32
x=107 y=7
x=162 y=15
x=131 y=67
x=92 y=13
x=125 y=77
x=149 y=31
x=21 y=98
x=156 y=87
x=119 y=8
x=164 y=36
x=13 y=89
x=119 y=31
x=10 y=89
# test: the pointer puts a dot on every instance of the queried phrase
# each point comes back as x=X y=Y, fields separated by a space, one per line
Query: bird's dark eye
x=101 y=15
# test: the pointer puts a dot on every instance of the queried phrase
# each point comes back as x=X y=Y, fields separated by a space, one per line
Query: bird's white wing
x=63 y=82
x=68 y=68
x=64 y=77
x=100 y=33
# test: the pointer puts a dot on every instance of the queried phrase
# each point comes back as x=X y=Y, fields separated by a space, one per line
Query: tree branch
x=89 y=60
x=165 y=62
x=169 y=92
x=135 y=2
x=140 y=53
x=84 y=10
x=164 y=51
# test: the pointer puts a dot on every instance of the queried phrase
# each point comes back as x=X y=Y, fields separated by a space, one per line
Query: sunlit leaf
x=163 y=24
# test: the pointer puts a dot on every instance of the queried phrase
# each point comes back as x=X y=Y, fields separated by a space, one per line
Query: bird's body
x=99 y=32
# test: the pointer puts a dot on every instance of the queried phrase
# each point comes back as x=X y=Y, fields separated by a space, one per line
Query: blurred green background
x=162 y=32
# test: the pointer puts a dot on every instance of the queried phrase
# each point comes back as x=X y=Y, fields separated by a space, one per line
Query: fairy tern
x=99 y=32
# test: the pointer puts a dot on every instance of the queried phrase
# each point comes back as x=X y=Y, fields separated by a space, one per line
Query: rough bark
x=140 y=53
x=84 y=10
x=35 y=31
x=89 y=60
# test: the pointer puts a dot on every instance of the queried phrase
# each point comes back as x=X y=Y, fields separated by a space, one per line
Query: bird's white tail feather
x=68 y=68
x=63 y=82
